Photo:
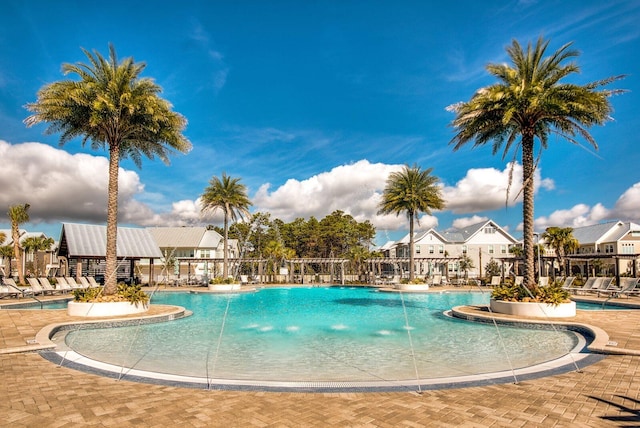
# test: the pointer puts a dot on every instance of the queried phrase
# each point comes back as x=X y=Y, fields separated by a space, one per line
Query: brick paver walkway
x=37 y=393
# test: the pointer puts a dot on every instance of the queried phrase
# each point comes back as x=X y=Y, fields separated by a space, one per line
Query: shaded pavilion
x=82 y=250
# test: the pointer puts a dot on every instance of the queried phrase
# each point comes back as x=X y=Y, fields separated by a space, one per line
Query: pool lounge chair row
x=606 y=286
x=42 y=286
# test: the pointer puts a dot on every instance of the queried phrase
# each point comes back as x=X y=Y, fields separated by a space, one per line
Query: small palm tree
x=562 y=241
x=357 y=256
x=6 y=251
x=230 y=196
x=33 y=244
x=117 y=110
x=18 y=214
x=278 y=253
x=530 y=102
x=465 y=263
x=412 y=191
x=3 y=237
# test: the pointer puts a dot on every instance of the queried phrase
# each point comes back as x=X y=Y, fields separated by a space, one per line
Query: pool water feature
x=332 y=335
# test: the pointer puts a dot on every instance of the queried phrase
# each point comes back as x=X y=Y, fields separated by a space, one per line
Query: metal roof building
x=86 y=244
x=90 y=241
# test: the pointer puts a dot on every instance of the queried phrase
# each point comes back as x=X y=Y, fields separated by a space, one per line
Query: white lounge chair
x=495 y=281
x=601 y=285
x=84 y=282
x=568 y=282
x=587 y=285
x=518 y=280
x=627 y=287
x=436 y=280
x=46 y=286
x=543 y=281
x=11 y=284
x=62 y=284
x=93 y=282
x=36 y=287
x=6 y=291
x=72 y=282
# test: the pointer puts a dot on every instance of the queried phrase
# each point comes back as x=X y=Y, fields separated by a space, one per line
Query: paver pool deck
x=37 y=393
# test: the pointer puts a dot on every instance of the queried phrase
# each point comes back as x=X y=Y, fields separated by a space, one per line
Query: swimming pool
x=321 y=336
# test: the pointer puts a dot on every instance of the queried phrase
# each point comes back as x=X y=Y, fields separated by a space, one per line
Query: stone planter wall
x=412 y=287
x=530 y=309
x=104 y=309
x=224 y=287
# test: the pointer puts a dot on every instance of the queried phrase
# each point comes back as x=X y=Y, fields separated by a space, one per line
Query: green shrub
x=86 y=294
x=133 y=294
x=221 y=280
x=125 y=293
x=553 y=294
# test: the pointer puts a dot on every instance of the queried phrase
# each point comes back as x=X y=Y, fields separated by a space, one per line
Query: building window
x=417 y=249
x=608 y=248
x=490 y=249
x=628 y=248
x=503 y=249
x=489 y=230
x=464 y=249
x=430 y=249
x=441 y=249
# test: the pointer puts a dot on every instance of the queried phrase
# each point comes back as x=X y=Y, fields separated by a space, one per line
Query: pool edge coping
x=599 y=344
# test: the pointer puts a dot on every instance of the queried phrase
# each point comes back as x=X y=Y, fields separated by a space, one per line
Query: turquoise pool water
x=320 y=334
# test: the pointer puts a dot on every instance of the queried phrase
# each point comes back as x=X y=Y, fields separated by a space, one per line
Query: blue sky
x=312 y=104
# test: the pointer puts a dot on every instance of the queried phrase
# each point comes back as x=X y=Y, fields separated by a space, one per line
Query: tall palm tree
x=33 y=244
x=18 y=214
x=528 y=103
x=412 y=191
x=230 y=196
x=116 y=109
x=561 y=239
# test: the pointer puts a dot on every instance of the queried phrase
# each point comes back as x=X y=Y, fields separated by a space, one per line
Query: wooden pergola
x=586 y=258
x=334 y=266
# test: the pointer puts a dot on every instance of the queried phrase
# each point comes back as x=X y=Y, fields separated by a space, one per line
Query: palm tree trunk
x=529 y=279
x=111 y=277
x=17 y=254
x=411 y=268
x=225 y=258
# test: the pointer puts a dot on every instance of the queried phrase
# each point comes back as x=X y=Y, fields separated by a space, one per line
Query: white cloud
x=73 y=187
x=59 y=185
x=627 y=206
x=485 y=189
x=577 y=216
x=355 y=189
x=461 y=223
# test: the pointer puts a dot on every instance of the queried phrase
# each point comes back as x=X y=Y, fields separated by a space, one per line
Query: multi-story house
x=611 y=248
x=44 y=261
x=437 y=252
x=192 y=254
